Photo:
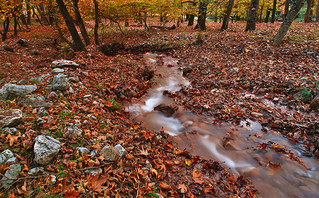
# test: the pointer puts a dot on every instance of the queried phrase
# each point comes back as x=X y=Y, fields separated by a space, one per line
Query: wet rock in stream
x=167 y=110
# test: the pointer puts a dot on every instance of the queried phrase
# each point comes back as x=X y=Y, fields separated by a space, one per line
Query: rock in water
x=7 y=48
x=10 y=118
x=60 y=82
x=10 y=91
x=11 y=175
x=110 y=153
x=45 y=148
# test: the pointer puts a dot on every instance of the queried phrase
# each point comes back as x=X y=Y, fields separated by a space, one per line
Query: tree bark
x=15 y=25
x=273 y=15
x=202 y=12
x=286 y=8
x=287 y=22
x=96 y=26
x=191 y=20
x=6 y=23
x=317 y=13
x=28 y=12
x=252 y=15
x=227 y=14
x=80 y=22
x=308 y=15
x=78 y=44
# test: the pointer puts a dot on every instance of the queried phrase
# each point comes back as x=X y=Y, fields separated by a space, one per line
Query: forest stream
x=276 y=166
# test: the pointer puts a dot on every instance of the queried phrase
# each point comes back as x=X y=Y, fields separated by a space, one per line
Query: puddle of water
x=240 y=152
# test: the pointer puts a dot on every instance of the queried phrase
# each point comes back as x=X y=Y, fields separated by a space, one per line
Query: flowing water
x=289 y=179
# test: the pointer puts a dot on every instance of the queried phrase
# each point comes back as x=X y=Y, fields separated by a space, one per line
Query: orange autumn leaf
x=165 y=186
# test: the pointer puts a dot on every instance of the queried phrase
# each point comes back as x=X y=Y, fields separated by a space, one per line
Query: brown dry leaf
x=182 y=187
x=144 y=152
x=12 y=139
x=196 y=173
x=165 y=186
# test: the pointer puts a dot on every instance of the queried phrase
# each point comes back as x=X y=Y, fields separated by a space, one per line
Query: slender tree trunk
x=273 y=15
x=261 y=11
x=286 y=8
x=227 y=14
x=37 y=16
x=50 y=13
x=252 y=15
x=145 y=21
x=202 y=11
x=96 y=27
x=317 y=13
x=287 y=22
x=267 y=16
x=78 y=44
x=5 y=24
x=28 y=7
x=80 y=22
x=308 y=15
x=126 y=23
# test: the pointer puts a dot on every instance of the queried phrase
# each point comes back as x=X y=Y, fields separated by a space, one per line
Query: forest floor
x=235 y=76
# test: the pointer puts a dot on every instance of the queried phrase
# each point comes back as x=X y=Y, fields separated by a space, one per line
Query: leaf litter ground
x=224 y=68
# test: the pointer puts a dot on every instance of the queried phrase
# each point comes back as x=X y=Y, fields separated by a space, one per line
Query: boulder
x=10 y=118
x=167 y=110
x=315 y=103
x=11 y=175
x=63 y=63
x=5 y=155
x=35 y=101
x=110 y=153
x=7 y=48
x=60 y=82
x=10 y=91
x=45 y=148
x=22 y=42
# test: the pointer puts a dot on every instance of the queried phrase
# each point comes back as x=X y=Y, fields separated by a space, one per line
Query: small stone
x=12 y=160
x=5 y=155
x=83 y=150
x=11 y=131
x=52 y=95
x=110 y=153
x=257 y=115
x=234 y=69
x=121 y=150
x=35 y=52
x=94 y=171
x=23 y=81
x=75 y=130
x=45 y=148
x=74 y=79
x=57 y=70
x=10 y=118
x=315 y=103
x=11 y=175
x=63 y=63
x=35 y=170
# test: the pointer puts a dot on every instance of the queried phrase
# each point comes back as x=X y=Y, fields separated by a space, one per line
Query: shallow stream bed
x=274 y=164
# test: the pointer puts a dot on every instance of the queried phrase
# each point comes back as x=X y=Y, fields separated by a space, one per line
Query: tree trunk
x=308 y=15
x=252 y=15
x=80 y=22
x=28 y=7
x=227 y=14
x=267 y=16
x=286 y=8
x=317 y=13
x=96 y=27
x=6 y=23
x=78 y=44
x=191 y=18
x=15 y=25
x=273 y=15
x=261 y=11
x=287 y=22
x=202 y=11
